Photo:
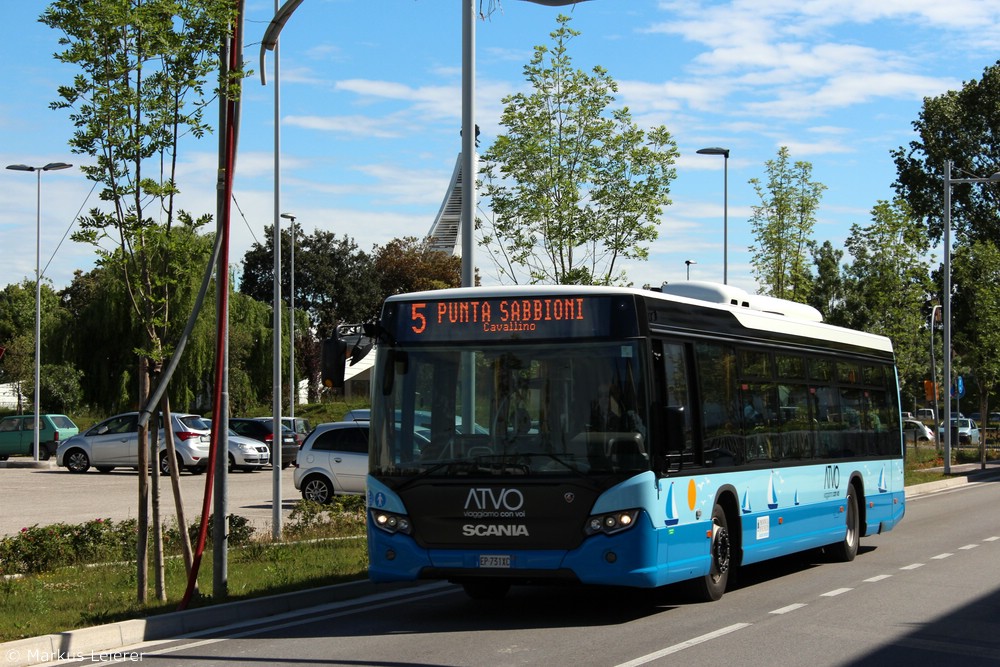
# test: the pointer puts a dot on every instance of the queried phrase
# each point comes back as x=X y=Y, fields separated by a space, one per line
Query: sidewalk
x=962 y=473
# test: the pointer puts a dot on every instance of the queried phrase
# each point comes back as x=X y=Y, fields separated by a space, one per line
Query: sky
x=371 y=109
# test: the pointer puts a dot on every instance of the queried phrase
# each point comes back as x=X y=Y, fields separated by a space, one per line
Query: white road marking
x=835 y=592
x=878 y=577
x=791 y=607
x=941 y=556
x=968 y=546
x=912 y=567
x=650 y=657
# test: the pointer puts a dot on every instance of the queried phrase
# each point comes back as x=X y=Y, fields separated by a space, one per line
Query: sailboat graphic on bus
x=882 y=488
x=672 y=517
x=746 y=502
x=772 y=496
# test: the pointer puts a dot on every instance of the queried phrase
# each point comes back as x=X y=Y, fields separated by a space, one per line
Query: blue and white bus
x=618 y=436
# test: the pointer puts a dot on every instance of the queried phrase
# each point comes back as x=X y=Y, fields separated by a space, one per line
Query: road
x=49 y=495
x=927 y=593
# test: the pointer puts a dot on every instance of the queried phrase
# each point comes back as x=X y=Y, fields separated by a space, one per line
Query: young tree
x=143 y=68
x=782 y=226
x=572 y=187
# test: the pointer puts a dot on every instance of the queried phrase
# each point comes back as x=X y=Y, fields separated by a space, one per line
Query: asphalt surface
x=107 y=639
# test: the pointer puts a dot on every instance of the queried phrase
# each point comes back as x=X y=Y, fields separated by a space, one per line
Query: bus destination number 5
x=418 y=317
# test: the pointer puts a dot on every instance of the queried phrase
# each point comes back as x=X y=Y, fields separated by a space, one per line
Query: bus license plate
x=494 y=560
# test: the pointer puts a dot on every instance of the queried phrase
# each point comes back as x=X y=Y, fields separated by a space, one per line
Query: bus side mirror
x=333 y=361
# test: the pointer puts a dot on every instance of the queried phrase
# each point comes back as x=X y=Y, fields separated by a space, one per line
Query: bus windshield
x=538 y=409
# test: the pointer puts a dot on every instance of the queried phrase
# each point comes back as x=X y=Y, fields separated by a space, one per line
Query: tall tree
x=143 y=67
x=333 y=278
x=960 y=126
x=409 y=265
x=782 y=226
x=17 y=334
x=573 y=185
x=977 y=307
x=888 y=285
x=828 y=288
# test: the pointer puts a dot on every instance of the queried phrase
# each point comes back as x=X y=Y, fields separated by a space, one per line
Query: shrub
x=44 y=548
x=345 y=515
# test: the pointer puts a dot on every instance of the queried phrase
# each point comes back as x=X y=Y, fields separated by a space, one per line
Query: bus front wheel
x=711 y=587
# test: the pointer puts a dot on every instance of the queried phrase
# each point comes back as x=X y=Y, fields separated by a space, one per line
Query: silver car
x=333 y=461
x=114 y=443
x=968 y=432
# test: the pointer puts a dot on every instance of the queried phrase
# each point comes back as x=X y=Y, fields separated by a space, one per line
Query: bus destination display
x=488 y=318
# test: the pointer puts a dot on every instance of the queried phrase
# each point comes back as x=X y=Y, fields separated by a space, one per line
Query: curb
x=103 y=639
x=27 y=463
x=971 y=476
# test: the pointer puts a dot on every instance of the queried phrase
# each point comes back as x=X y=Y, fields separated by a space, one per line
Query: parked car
x=299 y=426
x=926 y=414
x=245 y=453
x=993 y=418
x=17 y=435
x=263 y=430
x=968 y=432
x=333 y=461
x=915 y=431
x=114 y=443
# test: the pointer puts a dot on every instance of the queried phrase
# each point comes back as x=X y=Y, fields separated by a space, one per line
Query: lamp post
x=270 y=43
x=291 y=324
x=52 y=166
x=946 y=311
x=689 y=262
x=724 y=152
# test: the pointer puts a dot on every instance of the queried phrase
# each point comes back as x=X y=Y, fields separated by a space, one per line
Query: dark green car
x=17 y=435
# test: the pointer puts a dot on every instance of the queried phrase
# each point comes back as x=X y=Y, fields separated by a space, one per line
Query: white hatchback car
x=114 y=443
x=968 y=432
x=333 y=461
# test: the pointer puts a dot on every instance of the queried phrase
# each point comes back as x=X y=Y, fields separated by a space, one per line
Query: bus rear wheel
x=711 y=587
x=845 y=550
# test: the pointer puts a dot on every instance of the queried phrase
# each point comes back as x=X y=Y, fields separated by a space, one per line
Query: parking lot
x=48 y=494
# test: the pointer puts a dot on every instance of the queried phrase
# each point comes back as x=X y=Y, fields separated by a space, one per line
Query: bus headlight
x=612 y=522
x=391 y=522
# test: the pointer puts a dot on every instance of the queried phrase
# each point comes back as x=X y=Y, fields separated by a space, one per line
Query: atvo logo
x=494 y=499
x=831 y=479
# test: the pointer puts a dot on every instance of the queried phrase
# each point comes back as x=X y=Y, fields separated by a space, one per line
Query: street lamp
x=946 y=418
x=724 y=152
x=291 y=325
x=689 y=262
x=51 y=166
